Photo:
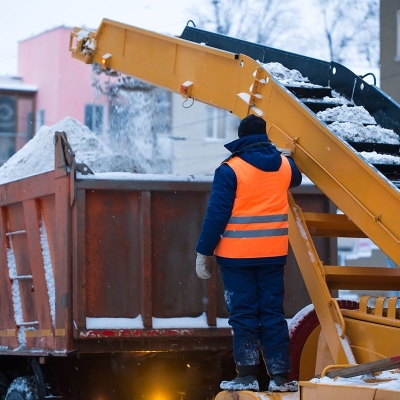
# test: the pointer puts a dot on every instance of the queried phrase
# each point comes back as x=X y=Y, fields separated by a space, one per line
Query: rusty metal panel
x=18 y=244
x=146 y=269
x=78 y=260
x=177 y=217
x=32 y=239
x=61 y=241
x=8 y=337
x=140 y=237
x=39 y=285
x=139 y=250
x=131 y=243
x=112 y=254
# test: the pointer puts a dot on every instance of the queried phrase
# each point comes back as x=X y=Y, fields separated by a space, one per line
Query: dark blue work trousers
x=254 y=301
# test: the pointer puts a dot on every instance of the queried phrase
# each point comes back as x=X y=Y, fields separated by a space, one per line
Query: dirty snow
x=37 y=156
x=287 y=76
x=16 y=295
x=357 y=132
x=158 y=323
x=357 y=114
x=48 y=268
x=146 y=177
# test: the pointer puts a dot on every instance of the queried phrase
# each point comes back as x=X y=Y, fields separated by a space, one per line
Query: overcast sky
x=21 y=19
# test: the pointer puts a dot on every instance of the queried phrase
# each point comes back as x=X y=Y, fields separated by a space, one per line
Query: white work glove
x=285 y=152
x=203 y=264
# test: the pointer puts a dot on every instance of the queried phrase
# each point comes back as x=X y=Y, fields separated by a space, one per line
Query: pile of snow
x=346 y=120
x=37 y=156
x=286 y=76
x=357 y=132
x=380 y=159
x=356 y=114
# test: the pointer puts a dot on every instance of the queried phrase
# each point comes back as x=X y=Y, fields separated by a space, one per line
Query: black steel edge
x=315 y=70
x=383 y=148
x=102 y=183
x=383 y=108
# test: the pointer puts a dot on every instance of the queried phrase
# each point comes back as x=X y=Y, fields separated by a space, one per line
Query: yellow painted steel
x=325 y=306
x=60 y=332
x=38 y=333
x=247 y=395
x=215 y=77
x=369 y=391
x=362 y=278
x=371 y=338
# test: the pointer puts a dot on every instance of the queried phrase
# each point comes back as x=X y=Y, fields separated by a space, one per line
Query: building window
x=398 y=35
x=39 y=119
x=216 y=124
x=8 y=114
x=94 y=118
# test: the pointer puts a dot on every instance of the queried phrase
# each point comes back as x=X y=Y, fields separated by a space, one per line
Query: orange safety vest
x=258 y=226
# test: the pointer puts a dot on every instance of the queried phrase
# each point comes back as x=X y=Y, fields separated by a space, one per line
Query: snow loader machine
x=99 y=298
x=344 y=136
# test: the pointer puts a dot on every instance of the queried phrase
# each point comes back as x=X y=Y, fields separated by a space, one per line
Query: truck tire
x=23 y=388
x=301 y=327
x=3 y=386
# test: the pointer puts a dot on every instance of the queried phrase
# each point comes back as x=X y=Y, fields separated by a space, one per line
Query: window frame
x=217 y=125
x=96 y=127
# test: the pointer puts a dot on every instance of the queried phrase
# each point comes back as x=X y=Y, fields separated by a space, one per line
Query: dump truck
x=99 y=293
x=99 y=296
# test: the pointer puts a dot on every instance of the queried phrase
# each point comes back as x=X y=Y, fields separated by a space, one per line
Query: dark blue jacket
x=258 y=151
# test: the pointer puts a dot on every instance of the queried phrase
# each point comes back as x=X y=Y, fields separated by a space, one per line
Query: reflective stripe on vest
x=258 y=226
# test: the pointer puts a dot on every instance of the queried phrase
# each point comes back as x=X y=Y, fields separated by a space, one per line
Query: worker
x=246 y=228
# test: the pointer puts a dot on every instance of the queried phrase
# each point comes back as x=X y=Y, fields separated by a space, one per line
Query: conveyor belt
x=329 y=83
x=220 y=73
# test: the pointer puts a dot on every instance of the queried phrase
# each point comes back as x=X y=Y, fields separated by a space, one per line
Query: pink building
x=57 y=86
x=64 y=84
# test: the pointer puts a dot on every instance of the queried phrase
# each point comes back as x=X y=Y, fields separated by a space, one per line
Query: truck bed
x=96 y=263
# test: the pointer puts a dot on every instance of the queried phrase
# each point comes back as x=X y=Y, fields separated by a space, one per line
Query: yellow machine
x=223 y=72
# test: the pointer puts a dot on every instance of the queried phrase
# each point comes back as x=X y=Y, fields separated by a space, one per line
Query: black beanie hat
x=250 y=125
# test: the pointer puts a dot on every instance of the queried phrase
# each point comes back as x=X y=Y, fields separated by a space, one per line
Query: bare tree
x=351 y=29
x=268 y=22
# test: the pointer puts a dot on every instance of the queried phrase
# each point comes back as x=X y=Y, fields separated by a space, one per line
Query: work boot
x=282 y=383
x=246 y=379
x=247 y=382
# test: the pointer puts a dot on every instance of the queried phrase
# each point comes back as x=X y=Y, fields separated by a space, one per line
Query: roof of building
x=14 y=83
